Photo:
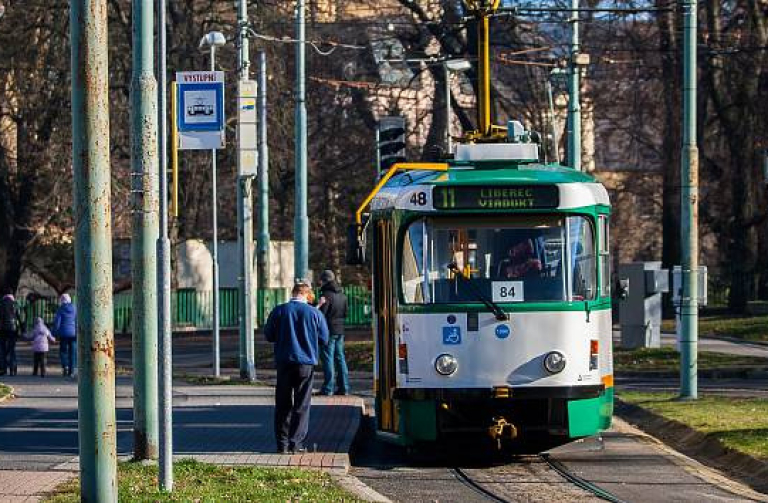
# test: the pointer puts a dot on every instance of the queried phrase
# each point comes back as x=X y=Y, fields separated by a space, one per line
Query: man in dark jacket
x=65 y=329
x=333 y=304
x=295 y=328
x=10 y=325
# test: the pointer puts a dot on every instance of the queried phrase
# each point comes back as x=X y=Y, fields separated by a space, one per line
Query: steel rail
x=471 y=484
x=578 y=481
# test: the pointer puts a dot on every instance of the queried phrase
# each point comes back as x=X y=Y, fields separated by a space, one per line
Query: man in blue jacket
x=295 y=328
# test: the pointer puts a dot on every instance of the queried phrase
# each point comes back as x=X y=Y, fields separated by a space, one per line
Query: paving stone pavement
x=18 y=486
x=225 y=424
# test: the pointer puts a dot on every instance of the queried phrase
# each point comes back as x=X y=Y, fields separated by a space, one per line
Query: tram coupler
x=502 y=430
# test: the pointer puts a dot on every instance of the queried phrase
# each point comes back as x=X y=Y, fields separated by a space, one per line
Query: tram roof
x=506 y=173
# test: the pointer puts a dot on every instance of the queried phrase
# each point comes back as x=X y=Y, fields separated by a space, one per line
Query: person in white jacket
x=40 y=336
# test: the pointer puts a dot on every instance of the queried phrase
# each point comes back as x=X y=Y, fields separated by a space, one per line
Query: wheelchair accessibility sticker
x=452 y=335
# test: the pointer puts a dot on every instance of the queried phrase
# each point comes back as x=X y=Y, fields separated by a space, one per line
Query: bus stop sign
x=200 y=110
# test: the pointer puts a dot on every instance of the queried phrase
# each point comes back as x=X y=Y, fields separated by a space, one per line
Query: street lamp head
x=458 y=65
x=213 y=39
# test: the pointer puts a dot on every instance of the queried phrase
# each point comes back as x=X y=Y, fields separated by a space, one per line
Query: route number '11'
x=448 y=198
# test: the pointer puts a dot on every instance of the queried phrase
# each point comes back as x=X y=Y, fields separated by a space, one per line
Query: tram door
x=384 y=307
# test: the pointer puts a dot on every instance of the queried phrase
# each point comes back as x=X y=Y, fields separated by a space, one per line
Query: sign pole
x=198 y=124
x=145 y=233
x=93 y=251
x=164 y=270
x=215 y=251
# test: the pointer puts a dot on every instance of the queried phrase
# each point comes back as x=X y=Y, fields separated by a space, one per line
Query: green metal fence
x=193 y=309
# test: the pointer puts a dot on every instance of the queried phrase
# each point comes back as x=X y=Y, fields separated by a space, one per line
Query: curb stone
x=700 y=446
x=735 y=340
x=744 y=373
x=356 y=487
x=726 y=338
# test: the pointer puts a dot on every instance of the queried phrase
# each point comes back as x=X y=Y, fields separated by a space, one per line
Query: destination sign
x=519 y=197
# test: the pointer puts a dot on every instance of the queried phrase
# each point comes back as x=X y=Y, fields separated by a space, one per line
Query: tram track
x=579 y=481
x=479 y=487
x=466 y=480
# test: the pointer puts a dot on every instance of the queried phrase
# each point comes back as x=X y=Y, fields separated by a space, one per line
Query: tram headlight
x=554 y=362
x=446 y=364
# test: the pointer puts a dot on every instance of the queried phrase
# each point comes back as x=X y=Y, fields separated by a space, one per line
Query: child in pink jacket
x=40 y=336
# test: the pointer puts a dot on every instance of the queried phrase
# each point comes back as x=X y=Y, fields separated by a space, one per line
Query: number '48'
x=419 y=199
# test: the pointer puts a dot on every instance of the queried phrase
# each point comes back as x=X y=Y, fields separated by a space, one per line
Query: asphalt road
x=630 y=465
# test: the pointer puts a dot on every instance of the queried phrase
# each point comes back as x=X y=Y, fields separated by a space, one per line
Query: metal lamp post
x=215 y=39
x=451 y=65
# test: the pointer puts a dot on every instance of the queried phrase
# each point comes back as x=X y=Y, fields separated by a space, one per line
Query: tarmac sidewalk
x=218 y=424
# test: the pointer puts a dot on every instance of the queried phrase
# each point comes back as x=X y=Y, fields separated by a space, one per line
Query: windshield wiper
x=495 y=309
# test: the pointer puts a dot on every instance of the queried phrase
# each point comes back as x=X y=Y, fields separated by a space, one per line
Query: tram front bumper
x=571 y=411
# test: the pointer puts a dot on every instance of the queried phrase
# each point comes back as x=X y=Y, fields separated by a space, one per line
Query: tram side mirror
x=355 y=245
x=622 y=288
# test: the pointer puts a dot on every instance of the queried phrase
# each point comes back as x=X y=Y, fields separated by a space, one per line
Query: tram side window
x=605 y=257
x=583 y=266
x=412 y=266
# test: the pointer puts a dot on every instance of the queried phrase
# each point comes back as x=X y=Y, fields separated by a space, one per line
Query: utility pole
x=93 y=250
x=263 y=239
x=247 y=151
x=574 y=105
x=301 y=225
x=164 y=268
x=555 y=139
x=689 y=178
x=448 y=142
x=145 y=232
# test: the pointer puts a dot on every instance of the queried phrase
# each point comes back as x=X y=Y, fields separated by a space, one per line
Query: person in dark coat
x=65 y=329
x=10 y=326
x=295 y=328
x=333 y=305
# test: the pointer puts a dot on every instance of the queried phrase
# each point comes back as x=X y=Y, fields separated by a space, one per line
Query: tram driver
x=521 y=261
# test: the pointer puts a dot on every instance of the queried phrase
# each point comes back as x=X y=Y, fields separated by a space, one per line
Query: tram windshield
x=521 y=259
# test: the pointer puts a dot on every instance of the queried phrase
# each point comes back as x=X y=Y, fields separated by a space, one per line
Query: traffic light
x=391 y=142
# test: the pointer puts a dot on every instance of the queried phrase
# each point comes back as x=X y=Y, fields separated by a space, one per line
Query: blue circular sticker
x=502 y=331
x=451 y=319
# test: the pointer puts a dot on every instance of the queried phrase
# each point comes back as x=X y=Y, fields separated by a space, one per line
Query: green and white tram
x=491 y=289
x=491 y=292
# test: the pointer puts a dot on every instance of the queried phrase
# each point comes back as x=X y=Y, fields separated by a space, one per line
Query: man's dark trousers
x=293 y=395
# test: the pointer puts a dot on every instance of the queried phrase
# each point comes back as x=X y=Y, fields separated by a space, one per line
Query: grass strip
x=201 y=482
x=740 y=424
x=5 y=392
x=668 y=359
x=748 y=328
